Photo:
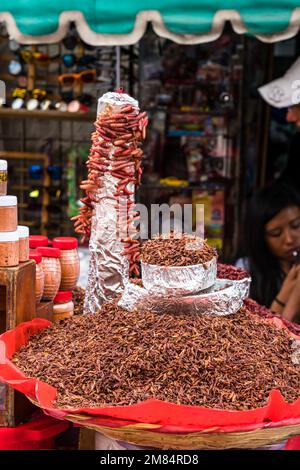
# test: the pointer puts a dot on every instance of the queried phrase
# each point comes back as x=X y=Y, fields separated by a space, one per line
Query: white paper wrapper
x=225 y=297
x=108 y=268
x=178 y=280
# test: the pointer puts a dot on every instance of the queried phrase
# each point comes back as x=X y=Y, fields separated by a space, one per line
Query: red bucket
x=34 y=435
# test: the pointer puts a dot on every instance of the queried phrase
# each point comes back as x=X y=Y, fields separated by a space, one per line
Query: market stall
x=98 y=24
x=168 y=290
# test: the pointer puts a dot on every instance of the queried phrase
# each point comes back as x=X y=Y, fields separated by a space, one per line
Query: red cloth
x=167 y=417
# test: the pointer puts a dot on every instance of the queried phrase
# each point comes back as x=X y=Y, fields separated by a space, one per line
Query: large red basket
x=155 y=423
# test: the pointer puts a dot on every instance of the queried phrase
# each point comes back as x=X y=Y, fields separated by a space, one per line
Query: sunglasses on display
x=69 y=60
x=15 y=67
x=55 y=192
x=75 y=106
x=22 y=81
x=36 y=93
x=35 y=99
x=69 y=79
x=55 y=172
x=19 y=93
x=35 y=57
x=13 y=45
x=35 y=172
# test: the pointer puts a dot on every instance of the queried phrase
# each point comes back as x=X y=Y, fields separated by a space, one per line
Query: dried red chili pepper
x=116 y=150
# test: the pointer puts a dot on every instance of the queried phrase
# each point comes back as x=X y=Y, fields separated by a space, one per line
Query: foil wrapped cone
x=108 y=267
x=225 y=297
x=178 y=280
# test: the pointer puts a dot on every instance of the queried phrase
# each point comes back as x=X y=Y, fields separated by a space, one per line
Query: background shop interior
x=211 y=139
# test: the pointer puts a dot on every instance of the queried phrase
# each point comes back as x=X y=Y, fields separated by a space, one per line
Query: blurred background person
x=272 y=249
x=284 y=92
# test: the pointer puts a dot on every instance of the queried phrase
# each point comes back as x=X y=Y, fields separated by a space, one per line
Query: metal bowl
x=178 y=280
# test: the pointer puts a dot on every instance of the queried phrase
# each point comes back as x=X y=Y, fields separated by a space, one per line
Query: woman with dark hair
x=272 y=242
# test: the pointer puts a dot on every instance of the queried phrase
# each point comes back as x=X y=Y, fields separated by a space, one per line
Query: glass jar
x=23 y=232
x=8 y=213
x=3 y=177
x=35 y=241
x=9 y=249
x=63 y=307
x=52 y=271
x=69 y=260
x=39 y=275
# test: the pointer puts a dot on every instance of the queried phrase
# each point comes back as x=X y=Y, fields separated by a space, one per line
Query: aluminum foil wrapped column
x=107 y=216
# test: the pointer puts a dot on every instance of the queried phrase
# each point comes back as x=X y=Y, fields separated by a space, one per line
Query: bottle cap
x=23 y=231
x=36 y=241
x=65 y=243
x=9 y=236
x=63 y=296
x=48 y=252
x=3 y=165
x=6 y=201
x=37 y=257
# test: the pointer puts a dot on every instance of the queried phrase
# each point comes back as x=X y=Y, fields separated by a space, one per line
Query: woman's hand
x=288 y=294
x=289 y=283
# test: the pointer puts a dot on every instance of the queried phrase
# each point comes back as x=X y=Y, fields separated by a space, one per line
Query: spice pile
x=117 y=357
x=227 y=271
x=78 y=299
x=254 y=307
x=166 y=250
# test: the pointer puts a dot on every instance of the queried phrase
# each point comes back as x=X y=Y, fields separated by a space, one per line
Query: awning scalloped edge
x=142 y=18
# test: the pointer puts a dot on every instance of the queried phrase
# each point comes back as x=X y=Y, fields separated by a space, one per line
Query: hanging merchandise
x=107 y=217
x=210 y=207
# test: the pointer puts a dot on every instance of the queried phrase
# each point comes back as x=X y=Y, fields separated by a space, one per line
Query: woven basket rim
x=145 y=434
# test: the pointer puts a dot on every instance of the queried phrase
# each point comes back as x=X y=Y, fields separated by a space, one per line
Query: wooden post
x=31 y=76
x=17 y=304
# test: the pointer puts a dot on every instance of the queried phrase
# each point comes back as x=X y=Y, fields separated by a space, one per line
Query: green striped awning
x=101 y=22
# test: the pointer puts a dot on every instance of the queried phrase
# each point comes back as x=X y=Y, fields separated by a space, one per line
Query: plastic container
x=8 y=213
x=23 y=233
x=35 y=241
x=34 y=435
x=3 y=177
x=52 y=271
x=9 y=249
x=39 y=275
x=63 y=307
x=69 y=260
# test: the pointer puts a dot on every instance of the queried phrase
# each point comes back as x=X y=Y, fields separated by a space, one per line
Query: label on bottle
x=3 y=176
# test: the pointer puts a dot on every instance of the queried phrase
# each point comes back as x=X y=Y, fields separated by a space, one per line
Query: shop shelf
x=39 y=114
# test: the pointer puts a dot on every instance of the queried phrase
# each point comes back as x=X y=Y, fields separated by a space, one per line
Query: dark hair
x=265 y=270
